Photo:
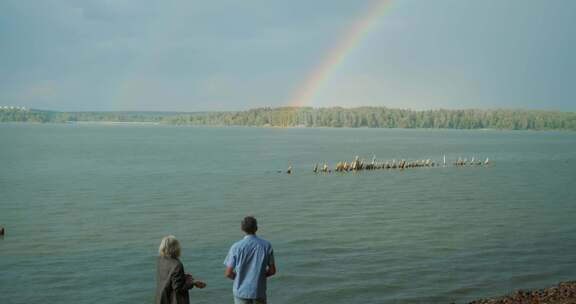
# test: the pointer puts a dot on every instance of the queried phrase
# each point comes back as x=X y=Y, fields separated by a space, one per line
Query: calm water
x=85 y=207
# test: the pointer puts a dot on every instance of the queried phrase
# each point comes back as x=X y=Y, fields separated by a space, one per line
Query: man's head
x=249 y=225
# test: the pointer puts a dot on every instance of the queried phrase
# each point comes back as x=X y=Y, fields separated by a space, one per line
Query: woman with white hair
x=172 y=283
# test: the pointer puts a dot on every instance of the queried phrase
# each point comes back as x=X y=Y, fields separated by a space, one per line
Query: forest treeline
x=370 y=117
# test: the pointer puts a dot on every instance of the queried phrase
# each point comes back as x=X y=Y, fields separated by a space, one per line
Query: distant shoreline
x=113 y=122
x=145 y=123
x=304 y=117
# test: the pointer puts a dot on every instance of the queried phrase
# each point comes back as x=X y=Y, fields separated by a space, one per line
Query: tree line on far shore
x=335 y=117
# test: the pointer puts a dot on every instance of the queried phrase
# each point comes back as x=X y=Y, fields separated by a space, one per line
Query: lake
x=85 y=207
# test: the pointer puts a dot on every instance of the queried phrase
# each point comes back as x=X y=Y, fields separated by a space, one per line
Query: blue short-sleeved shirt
x=249 y=258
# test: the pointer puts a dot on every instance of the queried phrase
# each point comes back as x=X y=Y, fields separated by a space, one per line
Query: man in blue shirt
x=249 y=263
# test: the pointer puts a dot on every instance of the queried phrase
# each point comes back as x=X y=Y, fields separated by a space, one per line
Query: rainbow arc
x=337 y=55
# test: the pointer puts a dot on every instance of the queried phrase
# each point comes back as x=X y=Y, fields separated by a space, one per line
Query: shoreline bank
x=148 y=123
x=563 y=293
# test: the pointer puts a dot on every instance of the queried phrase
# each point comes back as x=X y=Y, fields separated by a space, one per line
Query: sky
x=188 y=55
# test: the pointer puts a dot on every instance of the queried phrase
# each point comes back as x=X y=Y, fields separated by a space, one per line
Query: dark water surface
x=85 y=207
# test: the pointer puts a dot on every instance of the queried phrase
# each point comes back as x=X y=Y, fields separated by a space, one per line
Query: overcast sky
x=238 y=54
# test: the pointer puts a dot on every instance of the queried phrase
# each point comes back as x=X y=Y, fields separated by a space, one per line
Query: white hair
x=169 y=247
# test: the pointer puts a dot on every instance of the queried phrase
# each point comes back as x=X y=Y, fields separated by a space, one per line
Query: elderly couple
x=249 y=262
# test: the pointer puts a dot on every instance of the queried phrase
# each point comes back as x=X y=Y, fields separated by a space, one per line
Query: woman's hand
x=189 y=279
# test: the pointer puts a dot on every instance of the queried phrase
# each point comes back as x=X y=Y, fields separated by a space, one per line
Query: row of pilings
x=360 y=165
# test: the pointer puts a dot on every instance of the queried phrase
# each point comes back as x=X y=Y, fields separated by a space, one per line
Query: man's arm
x=230 y=263
x=270 y=270
x=229 y=273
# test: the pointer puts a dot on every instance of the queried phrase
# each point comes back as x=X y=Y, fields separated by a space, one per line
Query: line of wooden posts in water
x=360 y=165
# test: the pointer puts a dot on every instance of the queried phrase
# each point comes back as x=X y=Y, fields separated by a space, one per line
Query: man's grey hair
x=169 y=247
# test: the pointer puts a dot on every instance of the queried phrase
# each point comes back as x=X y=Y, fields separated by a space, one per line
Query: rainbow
x=336 y=56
